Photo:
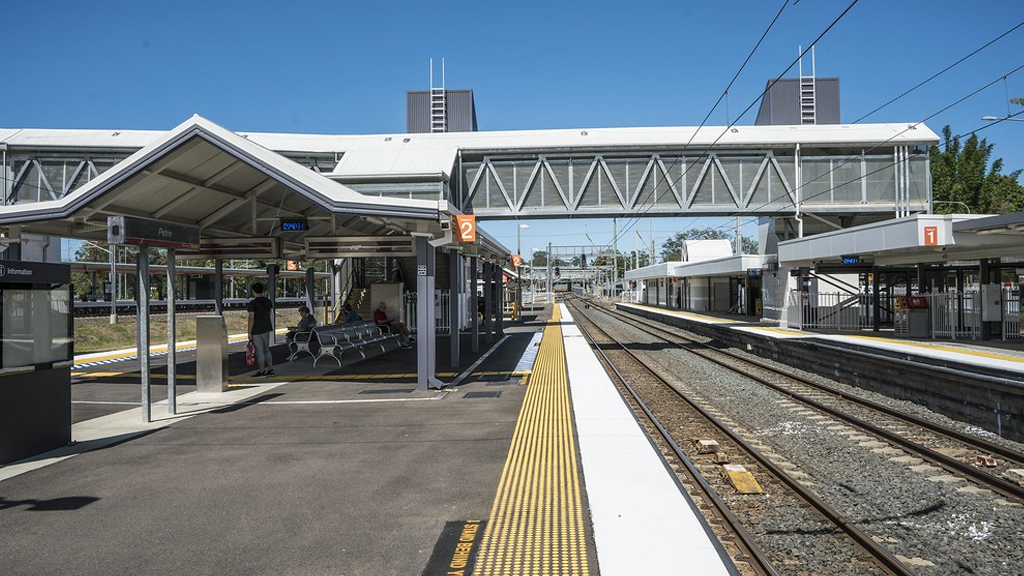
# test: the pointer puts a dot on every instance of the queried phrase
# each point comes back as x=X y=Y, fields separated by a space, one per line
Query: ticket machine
x=36 y=352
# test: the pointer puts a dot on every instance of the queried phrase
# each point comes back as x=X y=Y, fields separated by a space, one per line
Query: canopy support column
x=474 y=323
x=426 y=326
x=113 y=283
x=310 y=288
x=488 y=301
x=500 y=301
x=172 y=338
x=218 y=286
x=455 y=305
x=142 y=326
x=271 y=293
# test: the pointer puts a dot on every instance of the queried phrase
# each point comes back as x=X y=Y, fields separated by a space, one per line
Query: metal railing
x=955 y=314
x=836 y=311
x=1011 y=313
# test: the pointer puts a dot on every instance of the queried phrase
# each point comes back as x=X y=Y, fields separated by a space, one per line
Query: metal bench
x=335 y=341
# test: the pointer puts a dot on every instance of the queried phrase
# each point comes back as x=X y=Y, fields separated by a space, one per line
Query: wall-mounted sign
x=17 y=272
x=421 y=269
x=467 y=227
x=754 y=272
x=517 y=260
x=291 y=265
x=851 y=260
x=294 y=225
x=128 y=230
x=258 y=248
x=931 y=235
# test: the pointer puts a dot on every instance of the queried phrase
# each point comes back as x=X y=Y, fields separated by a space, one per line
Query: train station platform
x=979 y=383
x=530 y=464
x=1007 y=357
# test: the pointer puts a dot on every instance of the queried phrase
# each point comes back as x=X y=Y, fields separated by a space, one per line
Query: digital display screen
x=294 y=225
x=851 y=259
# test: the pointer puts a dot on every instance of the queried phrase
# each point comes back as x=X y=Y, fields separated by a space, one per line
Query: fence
x=630 y=296
x=830 y=311
x=952 y=314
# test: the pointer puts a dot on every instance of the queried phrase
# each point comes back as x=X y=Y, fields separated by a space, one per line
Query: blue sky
x=344 y=67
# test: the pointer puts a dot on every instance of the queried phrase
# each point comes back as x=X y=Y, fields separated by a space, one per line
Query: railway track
x=861 y=548
x=925 y=439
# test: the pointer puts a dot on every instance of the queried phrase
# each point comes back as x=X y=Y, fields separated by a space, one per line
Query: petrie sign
x=140 y=232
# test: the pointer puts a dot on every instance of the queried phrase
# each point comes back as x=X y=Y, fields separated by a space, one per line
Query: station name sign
x=17 y=272
x=141 y=232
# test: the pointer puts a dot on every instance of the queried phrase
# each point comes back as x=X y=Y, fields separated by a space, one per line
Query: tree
x=964 y=174
x=672 y=249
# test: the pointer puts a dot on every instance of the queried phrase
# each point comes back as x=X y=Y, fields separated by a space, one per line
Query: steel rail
x=995 y=483
x=883 y=557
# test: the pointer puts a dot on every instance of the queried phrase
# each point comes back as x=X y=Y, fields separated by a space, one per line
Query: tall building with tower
x=440 y=109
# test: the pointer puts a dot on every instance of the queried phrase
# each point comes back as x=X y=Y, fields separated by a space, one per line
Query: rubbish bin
x=211 y=354
x=919 y=317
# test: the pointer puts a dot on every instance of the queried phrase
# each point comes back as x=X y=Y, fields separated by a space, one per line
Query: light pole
x=519 y=272
x=1002 y=118
x=533 y=278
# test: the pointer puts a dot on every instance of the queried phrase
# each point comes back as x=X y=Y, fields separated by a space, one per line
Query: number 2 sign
x=467 y=228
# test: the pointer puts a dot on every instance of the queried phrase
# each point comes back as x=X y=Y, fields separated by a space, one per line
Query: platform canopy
x=204 y=175
x=917 y=239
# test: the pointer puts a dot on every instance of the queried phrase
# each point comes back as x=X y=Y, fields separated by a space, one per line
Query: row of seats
x=336 y=340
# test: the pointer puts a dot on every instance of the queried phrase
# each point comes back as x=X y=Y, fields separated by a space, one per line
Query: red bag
x=250 y=354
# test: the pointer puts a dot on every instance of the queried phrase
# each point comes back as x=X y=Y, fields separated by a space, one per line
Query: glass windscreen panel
x=36 y=325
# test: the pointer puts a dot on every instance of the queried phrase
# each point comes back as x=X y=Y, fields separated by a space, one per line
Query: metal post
x=113 y=283
x=551 y=296
x=499 y=299
x=488 y=301
x=142 y=327
x=454 y=305
x=172 y=339
x=474 y=324
x=519 y=278
x=218 y=286
x=426 y=326
x=615 y=256
x=272 y=294
x=310 y=288
x=876 y=291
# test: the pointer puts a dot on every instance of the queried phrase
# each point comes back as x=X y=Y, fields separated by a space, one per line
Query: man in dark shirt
x=261 y=329
x=351 y=316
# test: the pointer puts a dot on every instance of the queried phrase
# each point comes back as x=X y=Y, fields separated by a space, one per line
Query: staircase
x=438 y=110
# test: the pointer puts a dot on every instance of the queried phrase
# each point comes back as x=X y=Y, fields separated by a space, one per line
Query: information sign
x=140 y=232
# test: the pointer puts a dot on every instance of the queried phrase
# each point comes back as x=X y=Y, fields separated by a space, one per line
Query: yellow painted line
x=159 y=348
x=682 y=314
x=536 y=521
x=942 y=348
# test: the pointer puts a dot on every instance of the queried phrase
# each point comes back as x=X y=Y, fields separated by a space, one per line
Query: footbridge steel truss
x=767 y=171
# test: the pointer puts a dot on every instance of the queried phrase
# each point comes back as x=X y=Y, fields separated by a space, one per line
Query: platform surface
x=999 y=355
x=643 y=522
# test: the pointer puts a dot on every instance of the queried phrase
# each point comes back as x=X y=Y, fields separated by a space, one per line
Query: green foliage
x=673 y=247
x=965 y=174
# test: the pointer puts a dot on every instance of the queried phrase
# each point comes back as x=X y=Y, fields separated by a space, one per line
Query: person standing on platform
x=382 y=318
x=260 y=330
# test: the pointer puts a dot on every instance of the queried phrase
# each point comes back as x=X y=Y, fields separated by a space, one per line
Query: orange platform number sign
x=467 y=228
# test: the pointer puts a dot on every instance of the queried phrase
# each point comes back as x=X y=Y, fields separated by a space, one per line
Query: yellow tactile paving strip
x=536 y=522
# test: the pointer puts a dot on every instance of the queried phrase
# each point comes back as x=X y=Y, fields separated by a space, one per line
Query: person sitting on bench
x=351 y=316
x=306 y=323
x=381 y=317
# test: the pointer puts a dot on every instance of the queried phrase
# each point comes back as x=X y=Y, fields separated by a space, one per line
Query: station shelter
x=241 y=200
x=925 y=275
x=710 y=278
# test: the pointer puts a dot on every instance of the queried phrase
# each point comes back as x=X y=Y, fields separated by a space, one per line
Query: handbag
x=250 y=354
